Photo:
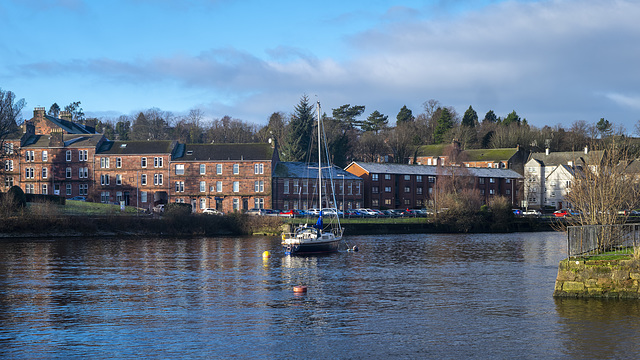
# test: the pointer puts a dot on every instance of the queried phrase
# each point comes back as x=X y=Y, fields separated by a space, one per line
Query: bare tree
x=10 y=110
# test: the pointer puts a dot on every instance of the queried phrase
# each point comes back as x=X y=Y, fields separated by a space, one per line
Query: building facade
x=400 y=186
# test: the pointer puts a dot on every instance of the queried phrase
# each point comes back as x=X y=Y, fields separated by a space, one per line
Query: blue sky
x=553 y=61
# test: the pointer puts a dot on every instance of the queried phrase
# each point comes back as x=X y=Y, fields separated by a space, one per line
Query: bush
x=177 y=209
x=17 y=196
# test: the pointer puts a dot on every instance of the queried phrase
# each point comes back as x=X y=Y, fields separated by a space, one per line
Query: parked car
x=78 y=198
x=256 y=212
x=292 y=213
x=367 y=212
x=158 y=208
x=332 y=211
x=531 y=212
x=517 y=212
x=272 y=212
x=210 y=211
x=565 y=212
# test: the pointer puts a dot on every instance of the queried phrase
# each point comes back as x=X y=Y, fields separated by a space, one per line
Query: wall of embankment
x=618 y=279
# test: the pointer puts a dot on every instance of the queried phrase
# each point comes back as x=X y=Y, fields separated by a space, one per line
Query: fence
x=593 y=240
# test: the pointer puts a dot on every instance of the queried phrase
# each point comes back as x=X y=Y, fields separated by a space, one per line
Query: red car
x=560 y=213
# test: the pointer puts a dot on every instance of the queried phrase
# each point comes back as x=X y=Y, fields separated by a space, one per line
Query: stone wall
x=598 y=278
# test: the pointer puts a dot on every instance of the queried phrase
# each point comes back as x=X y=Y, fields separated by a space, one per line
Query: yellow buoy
x=265 y=254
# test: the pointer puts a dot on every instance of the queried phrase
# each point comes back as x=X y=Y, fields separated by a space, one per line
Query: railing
x=593 y=240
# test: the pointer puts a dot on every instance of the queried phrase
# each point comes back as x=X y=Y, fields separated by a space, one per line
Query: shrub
x=17 y=196
x=177 y=209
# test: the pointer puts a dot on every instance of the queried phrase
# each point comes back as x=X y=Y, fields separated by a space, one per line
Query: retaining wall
x=598 y=278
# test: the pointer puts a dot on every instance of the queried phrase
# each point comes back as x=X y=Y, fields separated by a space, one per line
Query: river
x=400 y=296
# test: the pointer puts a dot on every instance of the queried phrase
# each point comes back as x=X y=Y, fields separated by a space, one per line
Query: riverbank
x=616 y=279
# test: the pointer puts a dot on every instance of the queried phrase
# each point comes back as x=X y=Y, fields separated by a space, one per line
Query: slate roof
x=68 y=126
x=137 y=147
x=70 y=141
x=224 y=152
x=432 y=170
x=303 y=170
x=563 y=158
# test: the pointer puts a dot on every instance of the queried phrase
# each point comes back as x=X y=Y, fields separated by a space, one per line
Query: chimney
x=546 y=151
x=586 y=150
x=55 y=138
x=65 y=115
x=38 y=112
x=29 y=130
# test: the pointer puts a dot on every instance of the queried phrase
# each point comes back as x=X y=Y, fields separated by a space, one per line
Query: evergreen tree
x=490 y=117
x=604 y=127
x=54 y=110
x=470 y=118
x=405 y=115
x=512 y=118
x=444 y=124
x=375 y=122
x=297 y=143
x=348 y=114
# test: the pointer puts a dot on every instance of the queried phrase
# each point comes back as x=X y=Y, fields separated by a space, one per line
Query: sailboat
x=326 y=234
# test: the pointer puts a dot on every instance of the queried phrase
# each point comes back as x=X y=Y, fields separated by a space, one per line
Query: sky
x=553 y=62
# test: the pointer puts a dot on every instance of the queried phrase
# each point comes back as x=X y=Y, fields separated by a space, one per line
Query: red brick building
x=398 y=186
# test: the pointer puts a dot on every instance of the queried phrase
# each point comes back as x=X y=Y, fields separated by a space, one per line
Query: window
x=407 y=202
x=507 y=191
x=419 y=178
x=258 y=203
x=258 y=168
x=492 y=180
x=481 y=181
x=407 y=189
x=143 y=162
x=236 y=186
x=358 y=189
x=104 y=197
x=419 y=190
x=387 y=189
x=219 y=186
x=407 y=178
x=85 y=172
x=507 y=181
x=104 y=163
x=387 y=202
x=157 y=179
x=143 y=179
x=259 y=186
x=143 y=196
x=218 y=169
x=157 y=162
x=179 y=186
x=305 y=187
x=118 y=196
x=118 y=179
x=8 y=181
x=44 y=173
x=375 y=202
x=432 y=179
x=83 y=155
x=45 y=189
x=29 y=189
x=203 y=186
x=29 y=173
x=203 y=203
x=236 y=169
x=83 y=189
x=296 y=187
x=45 y=155
x=387 y=176
x=68 y=173
x=350 y=188
x=430 y=191
x=491 y=191
x=286 y=186
x=203 y=169
x=68 y=189
x=104 y=179
x=118 y=162
x=68 y=157
x=374 y=190
x=8 y=165
x=374 y=177
x=8 y=148
x=179 y=169
x=29 y=155
x=236 y=204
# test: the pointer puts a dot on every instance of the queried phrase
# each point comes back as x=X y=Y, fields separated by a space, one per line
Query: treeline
x=351 y=135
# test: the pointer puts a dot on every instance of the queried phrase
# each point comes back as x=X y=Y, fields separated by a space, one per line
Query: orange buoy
x=300 y=289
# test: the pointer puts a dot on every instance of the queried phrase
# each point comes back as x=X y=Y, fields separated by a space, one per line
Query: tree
x=401 y=142
x=297 y=143
x=371 y=147
x=77 y=115
x=348 y=114
x=54 y=110
x=470 y=118
x=123 y=127
x=375 y=122
x=490 y=117
x=275 y=129
x=512 y=118
x=444 y=124
x=404 y=115
x=10 y=110
x=604 y=128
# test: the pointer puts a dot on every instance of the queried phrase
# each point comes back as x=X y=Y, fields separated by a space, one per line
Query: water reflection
x=445 y=296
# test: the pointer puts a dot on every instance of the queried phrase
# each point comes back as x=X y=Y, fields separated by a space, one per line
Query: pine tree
x=298 y=140
x=405 y=115
x=470 y=118
x=445 y=122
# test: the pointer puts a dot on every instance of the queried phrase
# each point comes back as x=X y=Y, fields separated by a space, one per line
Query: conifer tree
x=299 y=131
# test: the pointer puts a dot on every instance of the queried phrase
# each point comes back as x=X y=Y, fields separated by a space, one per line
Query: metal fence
x=593 y=240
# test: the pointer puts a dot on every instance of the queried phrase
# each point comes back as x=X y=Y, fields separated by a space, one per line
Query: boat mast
x=319 y=157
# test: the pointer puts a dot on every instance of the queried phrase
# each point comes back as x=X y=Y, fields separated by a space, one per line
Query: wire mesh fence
x=594 y=240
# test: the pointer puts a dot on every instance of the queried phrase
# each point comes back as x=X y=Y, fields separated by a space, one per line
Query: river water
x=400 y=296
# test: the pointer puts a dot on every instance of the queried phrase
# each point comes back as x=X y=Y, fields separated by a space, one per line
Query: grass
x=87 y=208
x=620 y=254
